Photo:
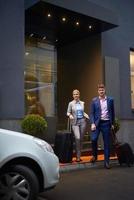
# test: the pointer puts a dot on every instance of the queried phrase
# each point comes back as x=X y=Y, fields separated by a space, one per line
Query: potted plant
x=34 y=125
x=113 y=136
x=116 y=125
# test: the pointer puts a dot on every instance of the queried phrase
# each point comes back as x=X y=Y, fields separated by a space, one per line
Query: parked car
x=28 y=166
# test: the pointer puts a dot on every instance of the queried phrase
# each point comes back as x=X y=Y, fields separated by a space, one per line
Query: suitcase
x=124 y=154
x=63 y=146
x=123 y=151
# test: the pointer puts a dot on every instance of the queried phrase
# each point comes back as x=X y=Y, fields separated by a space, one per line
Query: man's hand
x=93 y=127
x=112 y=127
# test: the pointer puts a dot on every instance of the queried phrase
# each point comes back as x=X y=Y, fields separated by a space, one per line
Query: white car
x=28 y=166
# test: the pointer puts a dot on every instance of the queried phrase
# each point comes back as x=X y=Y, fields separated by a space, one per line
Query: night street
x=94 y=183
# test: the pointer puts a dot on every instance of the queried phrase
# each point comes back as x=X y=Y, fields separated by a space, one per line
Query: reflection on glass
x=40 y=77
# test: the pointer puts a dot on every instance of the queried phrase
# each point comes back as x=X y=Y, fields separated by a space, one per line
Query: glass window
x=40 y=78
x=132 y=77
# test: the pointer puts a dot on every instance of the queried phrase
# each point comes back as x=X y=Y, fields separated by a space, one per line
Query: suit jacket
x=95 y=110
x=72 y=110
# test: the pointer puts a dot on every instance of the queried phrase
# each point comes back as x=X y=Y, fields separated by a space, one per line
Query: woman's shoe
x=78 y=160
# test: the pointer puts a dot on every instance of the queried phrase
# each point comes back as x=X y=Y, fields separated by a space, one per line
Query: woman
x=77 y=117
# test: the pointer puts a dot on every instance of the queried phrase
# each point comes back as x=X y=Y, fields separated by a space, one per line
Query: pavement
x=114 y=184
x=85 y=163
x=95 y=183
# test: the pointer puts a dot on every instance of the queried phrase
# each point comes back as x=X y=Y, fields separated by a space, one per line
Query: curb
x=85 y=165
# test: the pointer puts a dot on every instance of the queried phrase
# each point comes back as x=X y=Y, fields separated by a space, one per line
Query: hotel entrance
x=63 y=52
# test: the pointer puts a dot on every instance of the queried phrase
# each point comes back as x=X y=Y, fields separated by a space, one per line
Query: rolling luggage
x=124 y=154
x=63 y=146
x=123 y=151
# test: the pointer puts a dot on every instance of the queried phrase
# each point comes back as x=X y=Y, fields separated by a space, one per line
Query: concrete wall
x=11 y=59
x=112 y=81
x=126 y=132
x=116 y=43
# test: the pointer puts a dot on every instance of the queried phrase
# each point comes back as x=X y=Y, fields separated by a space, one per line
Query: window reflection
x=40 y=77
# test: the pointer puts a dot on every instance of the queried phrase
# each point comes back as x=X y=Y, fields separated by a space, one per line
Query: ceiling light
x=44 y=38
x=77 y=23
x=49 y=15
x=90 y=27
x=63 y=19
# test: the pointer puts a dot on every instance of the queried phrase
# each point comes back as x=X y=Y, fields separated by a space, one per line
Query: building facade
x=50 y=47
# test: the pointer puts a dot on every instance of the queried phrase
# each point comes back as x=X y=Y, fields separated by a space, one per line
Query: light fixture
x=63 y=19
x=31 y=35
x=49 y=15
x=77 y=23
x=26 y=53
x=90 y=27
x=44 y=37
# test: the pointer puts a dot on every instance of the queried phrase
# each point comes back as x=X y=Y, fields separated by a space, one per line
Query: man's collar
x=105 y=98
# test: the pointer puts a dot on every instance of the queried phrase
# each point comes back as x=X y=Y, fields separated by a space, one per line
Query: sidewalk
x=85 y=163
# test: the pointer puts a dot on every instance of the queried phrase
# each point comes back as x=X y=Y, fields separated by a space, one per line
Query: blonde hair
x=76 y=91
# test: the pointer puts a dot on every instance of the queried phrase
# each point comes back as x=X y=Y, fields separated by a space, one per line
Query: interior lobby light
x=31 y=35
x=26 y=53
x=90 y=27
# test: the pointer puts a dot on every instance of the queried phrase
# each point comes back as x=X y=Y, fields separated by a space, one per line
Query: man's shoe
x=93 y=159
x=107 y=166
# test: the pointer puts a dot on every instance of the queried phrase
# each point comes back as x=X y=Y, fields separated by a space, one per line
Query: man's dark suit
x=101 y=126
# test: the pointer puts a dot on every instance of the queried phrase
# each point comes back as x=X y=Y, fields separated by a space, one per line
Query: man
x=102 y=118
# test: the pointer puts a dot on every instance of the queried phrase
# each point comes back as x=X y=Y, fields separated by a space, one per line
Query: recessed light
x=63 y=19
x=77 y=23
x=49 y=15
x=90 y=27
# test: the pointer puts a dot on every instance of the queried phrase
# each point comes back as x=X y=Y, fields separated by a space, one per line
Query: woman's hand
x=86 y=116
x=71 y=116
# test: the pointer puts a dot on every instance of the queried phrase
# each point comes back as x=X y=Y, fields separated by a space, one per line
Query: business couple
x=102 y=118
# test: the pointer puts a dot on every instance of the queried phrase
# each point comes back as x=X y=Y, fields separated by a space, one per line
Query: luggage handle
x=69 y=125
x=114 y=137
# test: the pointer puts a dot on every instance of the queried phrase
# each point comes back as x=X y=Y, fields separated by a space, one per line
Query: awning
x=61 y=26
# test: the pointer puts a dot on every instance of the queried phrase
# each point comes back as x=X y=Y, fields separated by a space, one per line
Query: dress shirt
x=79 y=110
x=104 y=108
